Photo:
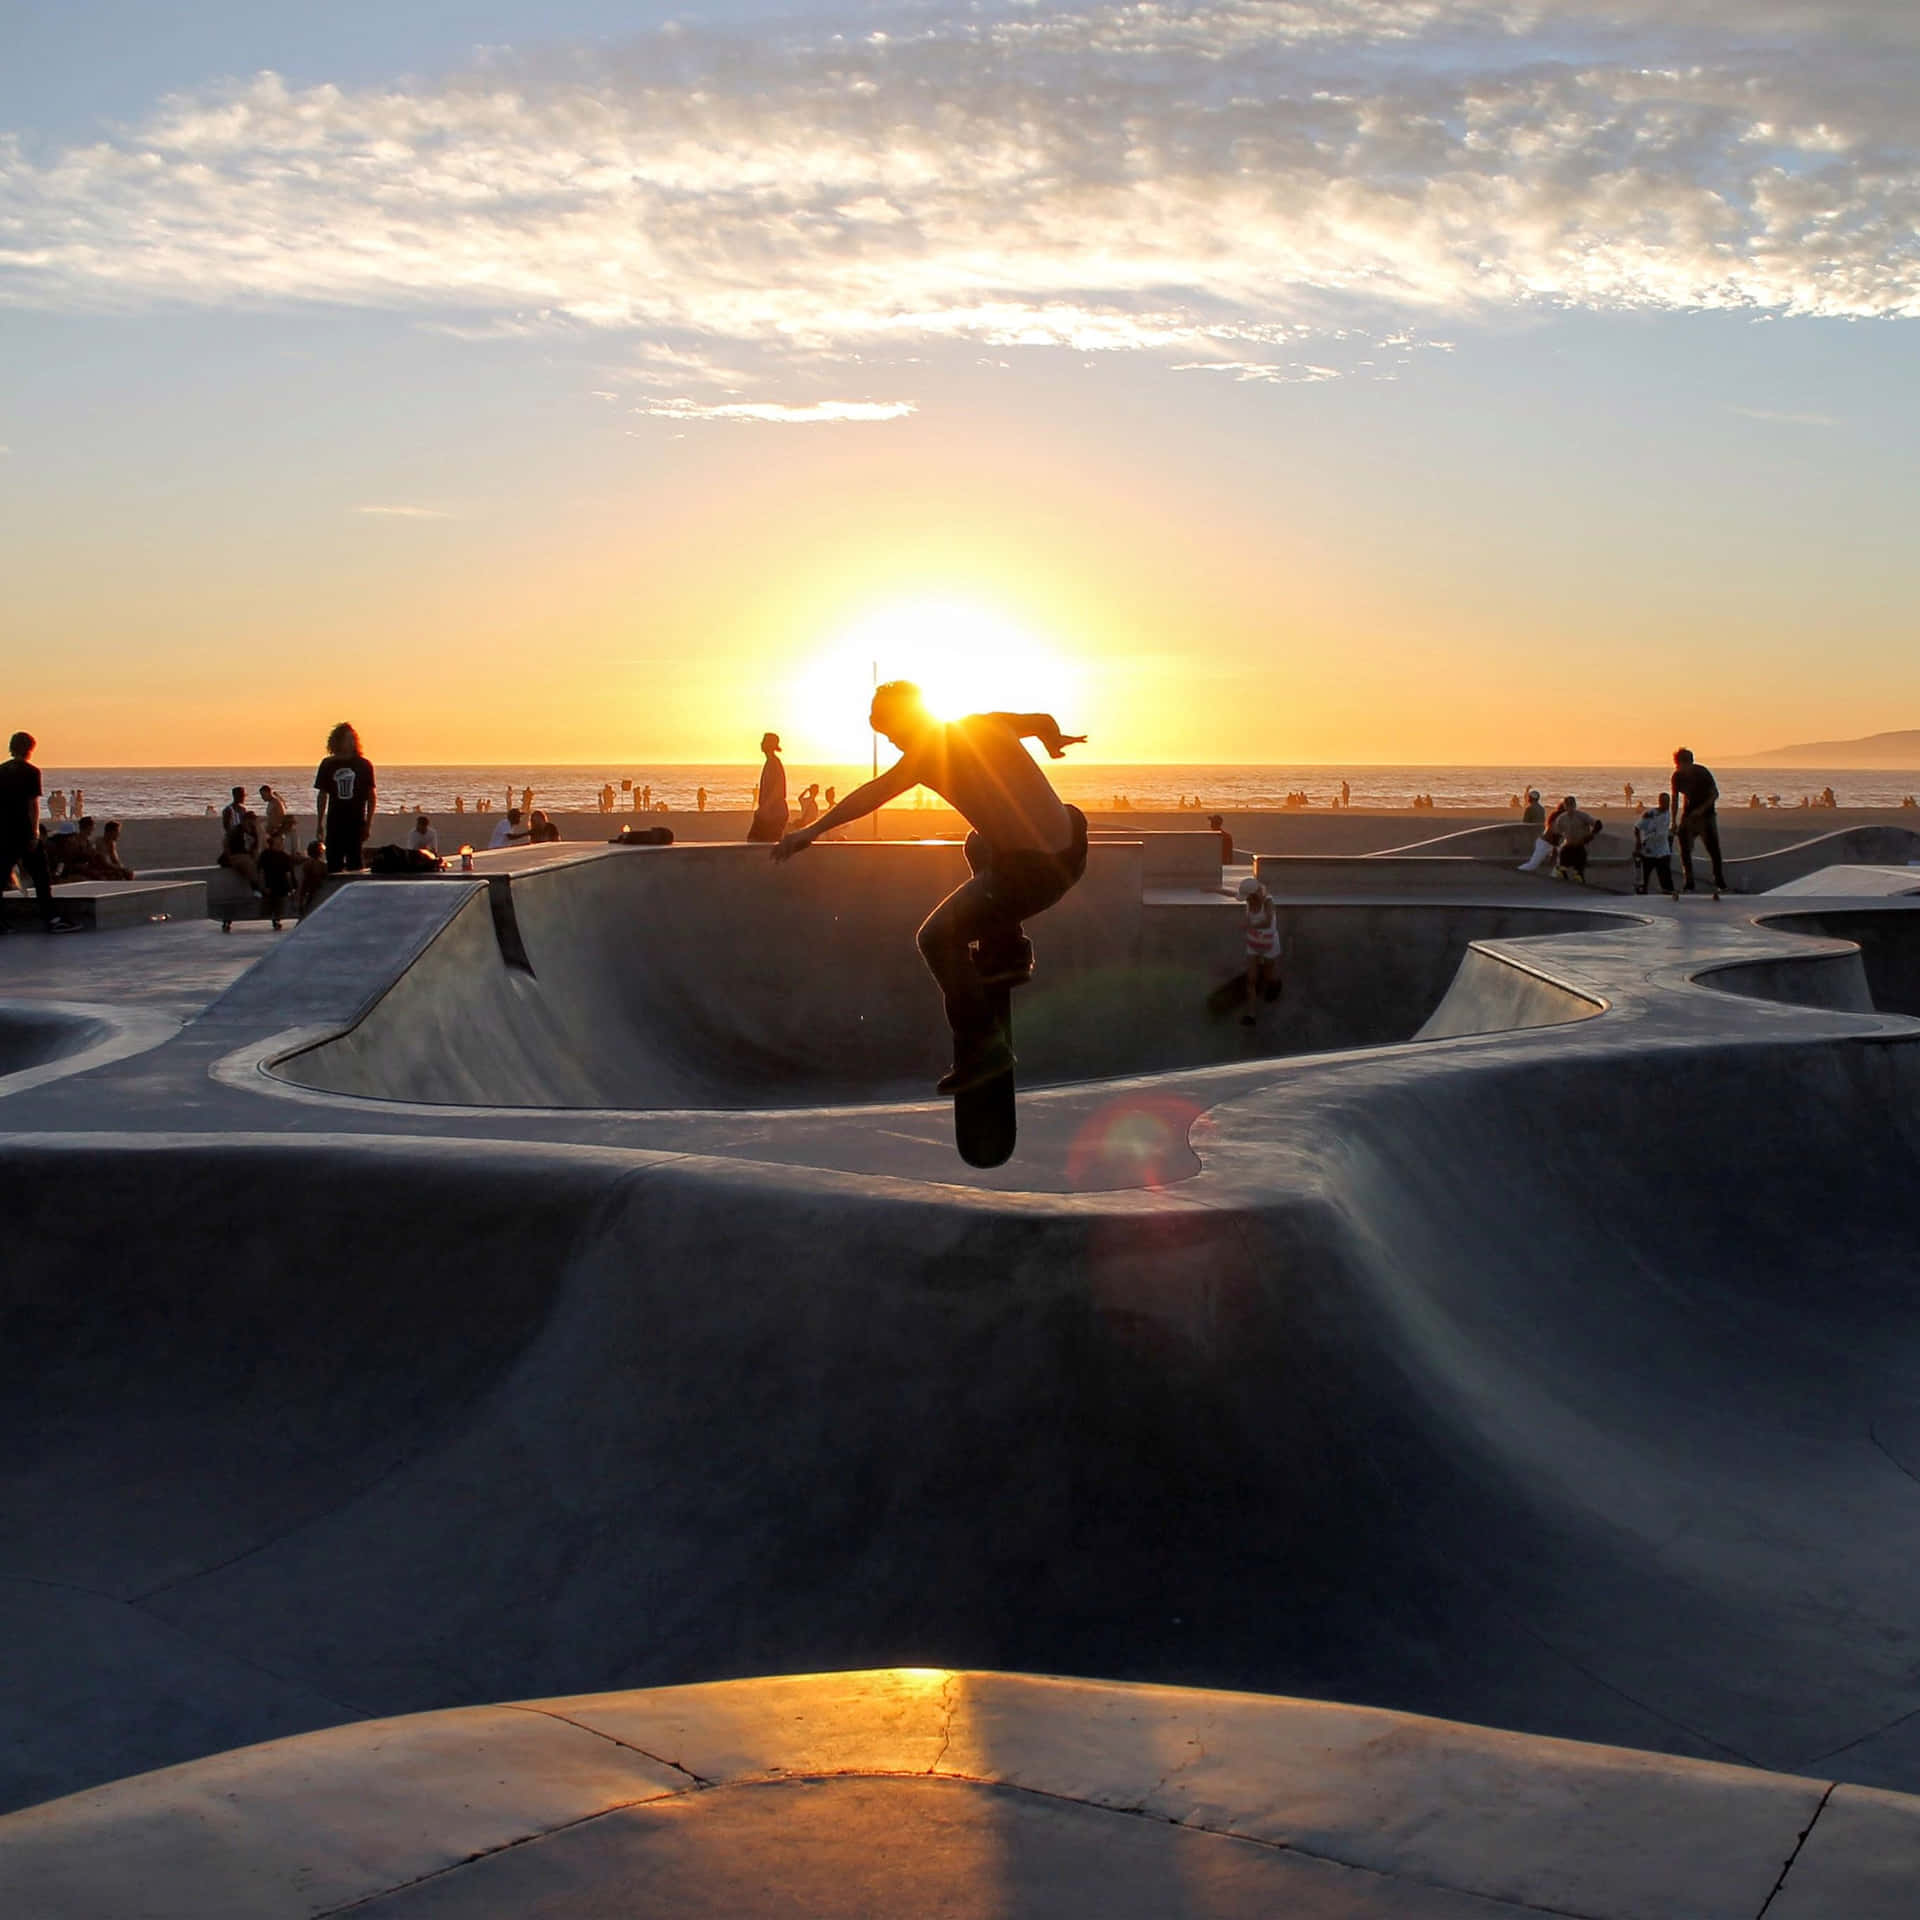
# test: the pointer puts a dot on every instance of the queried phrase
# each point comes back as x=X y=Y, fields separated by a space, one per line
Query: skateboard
x=986 y=1122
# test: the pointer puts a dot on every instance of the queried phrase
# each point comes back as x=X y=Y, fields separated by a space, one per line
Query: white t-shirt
x=506 y=834
x=1263 y=929
x=424 y=840
x=1656 y=833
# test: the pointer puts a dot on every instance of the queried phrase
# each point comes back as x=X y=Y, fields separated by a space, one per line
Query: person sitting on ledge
x=509 y=831
x=541 y=831
x=1026 y=850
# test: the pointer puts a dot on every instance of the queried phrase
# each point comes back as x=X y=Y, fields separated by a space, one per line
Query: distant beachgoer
x=20 y=843
x=1827 y=797
x=1695 y=793
x=1219 y=826
x=459 y=803
x=526 y=802
x=510 y=832
x=277 y=878
x=1653 y=846
x=1577 y=829
x=422 y=839
x=1533 y=814
x=541 y=831
x=57 y=804
x=76 y=804
x=700 y=800
x=809 y=805
x=343 y=784
x=1626 y=791
x=1027 y=848
x=830 y=798
x=1346 y=795
x=274 y=815
x=1753 y=800
x=1263 y=948
x=769 y=820
x=646 y=799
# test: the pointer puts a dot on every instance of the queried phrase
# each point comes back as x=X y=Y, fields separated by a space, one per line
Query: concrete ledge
x=112 y=903
x=1422 y=1807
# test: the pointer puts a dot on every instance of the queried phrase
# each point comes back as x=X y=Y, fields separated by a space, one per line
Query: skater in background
x=1653 y=846
x=1263 y=948
x=1695 y=796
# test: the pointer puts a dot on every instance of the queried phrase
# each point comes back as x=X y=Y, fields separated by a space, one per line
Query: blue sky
x=1370 y=379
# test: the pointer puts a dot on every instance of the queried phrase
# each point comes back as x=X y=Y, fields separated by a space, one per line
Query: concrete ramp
x=704 y=977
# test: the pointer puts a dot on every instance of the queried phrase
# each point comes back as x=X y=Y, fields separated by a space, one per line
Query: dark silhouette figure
x=769 y=820
x=20 y=842
x=1026 y=850
x=343 y=786
x=1695 y=795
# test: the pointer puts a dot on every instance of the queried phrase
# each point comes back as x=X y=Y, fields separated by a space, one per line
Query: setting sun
x=964 y=657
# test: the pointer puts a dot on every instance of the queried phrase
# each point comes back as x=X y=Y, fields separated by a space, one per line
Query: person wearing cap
x=769 y=822
x=1263 y=948
x=1533 y=814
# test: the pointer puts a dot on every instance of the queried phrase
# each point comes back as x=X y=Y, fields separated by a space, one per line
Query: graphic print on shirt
x=344 y=782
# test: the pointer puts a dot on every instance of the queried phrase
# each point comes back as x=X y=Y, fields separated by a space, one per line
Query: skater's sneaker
x=1004 y=963
x=60 y=924
x=1247 y=1020
x=975 y=1066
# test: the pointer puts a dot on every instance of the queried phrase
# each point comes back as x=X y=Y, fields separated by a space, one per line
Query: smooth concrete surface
x=1552 y=1375
x=111 y=903
x=930 y=1791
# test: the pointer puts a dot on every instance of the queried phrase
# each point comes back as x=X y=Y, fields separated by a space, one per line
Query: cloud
x=404 y=513
x=1787 y=419
x=1202 y=182
x=816 y=413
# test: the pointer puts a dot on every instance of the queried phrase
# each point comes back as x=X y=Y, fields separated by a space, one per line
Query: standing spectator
x=526 y=802
x=1218 y=823
x=700 y=800
x=769 y=821
x=1263 y=948
x=1695 y=797
x=1653 y=845
x=1346 y=795
x=57 y=804
x=344 y=784
x=76 y=804
x=20 y=847
x=234 y=812
x=809 y=804
x=275 y=817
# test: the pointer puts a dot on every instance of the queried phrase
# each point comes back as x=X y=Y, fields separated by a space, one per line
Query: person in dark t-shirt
x=1696 y=796
x=344 y=788
x=20 y=847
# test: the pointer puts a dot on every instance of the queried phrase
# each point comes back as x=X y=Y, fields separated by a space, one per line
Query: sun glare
x=964 y=658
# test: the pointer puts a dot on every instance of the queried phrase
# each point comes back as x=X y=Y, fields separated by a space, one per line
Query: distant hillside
x=1900 y=749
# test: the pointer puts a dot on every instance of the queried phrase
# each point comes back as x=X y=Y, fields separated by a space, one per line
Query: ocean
x=146 y=792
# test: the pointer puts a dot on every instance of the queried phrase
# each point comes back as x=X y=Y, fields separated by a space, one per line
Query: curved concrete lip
x=93 y=1035
x=930 y=1790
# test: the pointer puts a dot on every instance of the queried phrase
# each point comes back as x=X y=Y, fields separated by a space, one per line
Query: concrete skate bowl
x=32 y=1035
x=1381 y=1406
x=704 y=977
x=1885 y=956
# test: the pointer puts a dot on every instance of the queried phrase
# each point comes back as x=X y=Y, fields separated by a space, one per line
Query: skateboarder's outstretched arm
x=862 y=801
x=1042 y=727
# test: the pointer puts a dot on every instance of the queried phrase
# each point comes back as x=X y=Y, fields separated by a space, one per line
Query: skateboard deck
x=985 y=1120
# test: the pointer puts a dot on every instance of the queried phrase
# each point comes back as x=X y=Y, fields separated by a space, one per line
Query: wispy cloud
x=1207 y=182
x=405 y=513
x=1788 y=419
x=817 y=413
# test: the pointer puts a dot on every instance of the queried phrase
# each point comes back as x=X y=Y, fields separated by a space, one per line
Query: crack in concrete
x=1787 y=1868
x=600 y=1733
x=949 y=1707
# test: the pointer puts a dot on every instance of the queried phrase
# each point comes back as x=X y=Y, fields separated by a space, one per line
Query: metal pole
x=876 y=750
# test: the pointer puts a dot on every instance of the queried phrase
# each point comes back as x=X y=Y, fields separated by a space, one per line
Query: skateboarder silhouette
x=1027 y=848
